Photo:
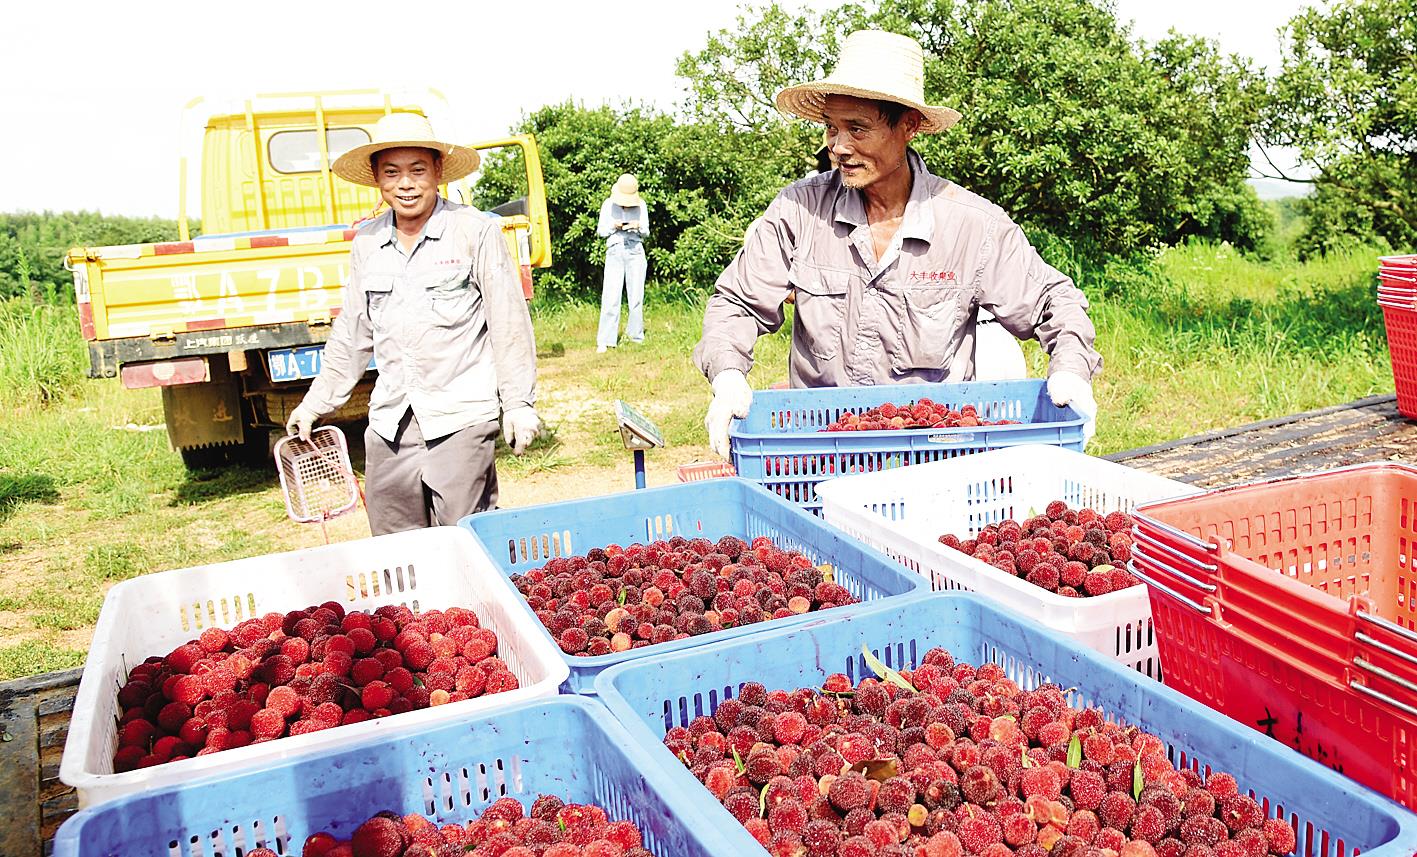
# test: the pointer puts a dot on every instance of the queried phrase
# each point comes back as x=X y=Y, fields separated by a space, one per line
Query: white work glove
x=731 y=398
x=302 y=419
x=520 y=426
x=1065 y=388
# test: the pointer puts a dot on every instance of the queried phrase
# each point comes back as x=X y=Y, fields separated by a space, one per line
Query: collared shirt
x=612 y=213
x=908 y=316
x=446 y=323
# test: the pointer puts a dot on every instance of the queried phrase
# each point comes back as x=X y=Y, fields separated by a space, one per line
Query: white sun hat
x=626 y=192
x=397 y=130
x=873 y=64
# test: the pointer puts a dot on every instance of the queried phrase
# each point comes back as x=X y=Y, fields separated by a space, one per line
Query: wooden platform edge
x=34 y=718
x=1220 y=434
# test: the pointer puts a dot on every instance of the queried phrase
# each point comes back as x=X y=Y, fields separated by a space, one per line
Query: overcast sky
x=94 y=89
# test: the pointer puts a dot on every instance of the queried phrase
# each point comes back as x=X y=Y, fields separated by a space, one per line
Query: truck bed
x=1359 y=432
x=34 y=711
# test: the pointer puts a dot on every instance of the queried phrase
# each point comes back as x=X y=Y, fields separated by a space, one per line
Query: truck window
x=299 y=151
x=501 y=182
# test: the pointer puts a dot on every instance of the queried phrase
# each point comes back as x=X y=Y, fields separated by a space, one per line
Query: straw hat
x=396 y=130
x=872 y=64
x=626 y=192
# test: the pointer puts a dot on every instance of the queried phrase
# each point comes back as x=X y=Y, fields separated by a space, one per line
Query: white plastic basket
x=903 y=512
x=439 y=567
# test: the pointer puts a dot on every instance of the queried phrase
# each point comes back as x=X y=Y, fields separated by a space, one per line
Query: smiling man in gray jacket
x=434 y=297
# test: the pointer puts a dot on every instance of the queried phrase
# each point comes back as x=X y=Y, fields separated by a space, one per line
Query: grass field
x=1199 y=338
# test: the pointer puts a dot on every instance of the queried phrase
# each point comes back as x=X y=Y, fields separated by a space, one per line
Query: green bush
x=41 y=353
x=33 y=247
x=703 y=187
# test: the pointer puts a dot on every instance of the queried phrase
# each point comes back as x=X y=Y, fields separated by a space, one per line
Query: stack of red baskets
x=1291 y=606
x=1397 y=295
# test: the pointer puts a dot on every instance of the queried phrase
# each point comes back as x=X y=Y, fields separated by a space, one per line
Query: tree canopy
x=1346 y=97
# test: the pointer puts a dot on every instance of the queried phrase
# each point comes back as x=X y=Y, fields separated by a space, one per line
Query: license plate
x=295 y=364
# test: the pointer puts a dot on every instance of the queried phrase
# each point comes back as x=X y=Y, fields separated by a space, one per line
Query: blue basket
x=781 y=443
x=1333 y=815
x=519 y=540
x=569 y=747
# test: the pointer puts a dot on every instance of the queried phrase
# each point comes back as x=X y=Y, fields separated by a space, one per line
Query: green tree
x=703 y=185
x=1346 y=97
x=733 y=80
x=1069 y=124
x=33 y=247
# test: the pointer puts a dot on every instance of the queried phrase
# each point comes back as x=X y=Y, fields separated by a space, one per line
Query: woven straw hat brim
x=626 y=200
x=807 y=100
x=353 y=166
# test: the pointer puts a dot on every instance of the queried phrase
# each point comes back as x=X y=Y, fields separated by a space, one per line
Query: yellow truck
x=230 y=324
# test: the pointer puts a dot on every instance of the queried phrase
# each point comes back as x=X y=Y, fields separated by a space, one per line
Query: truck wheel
x=256 y=445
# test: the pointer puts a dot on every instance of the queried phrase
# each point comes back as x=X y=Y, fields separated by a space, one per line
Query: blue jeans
x=624 y=266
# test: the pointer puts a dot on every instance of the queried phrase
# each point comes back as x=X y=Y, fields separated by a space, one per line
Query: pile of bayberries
x=615 y=599
x=949 y=760
x=551 y=828
x=301 y=672
x=924 y=414
x=1075 y=553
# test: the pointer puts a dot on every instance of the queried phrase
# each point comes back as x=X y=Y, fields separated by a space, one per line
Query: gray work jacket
x=907 y=317
x=447 y=324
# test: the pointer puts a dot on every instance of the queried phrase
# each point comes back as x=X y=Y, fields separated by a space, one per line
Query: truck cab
x=230 y=324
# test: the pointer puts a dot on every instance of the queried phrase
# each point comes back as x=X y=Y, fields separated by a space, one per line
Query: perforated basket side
x=151 y=615
x=1332 y=817
x=519 y=540
x=905 y=512
x=1401 y=325
x=782 y=446
x=568 y=747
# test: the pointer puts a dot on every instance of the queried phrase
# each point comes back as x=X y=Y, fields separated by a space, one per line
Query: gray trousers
x=412 y=483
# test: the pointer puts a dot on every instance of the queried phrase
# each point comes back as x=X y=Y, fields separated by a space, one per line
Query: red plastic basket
x=1401 y=324
x=1366 y=739
x=1289 y=605
x=701 y=470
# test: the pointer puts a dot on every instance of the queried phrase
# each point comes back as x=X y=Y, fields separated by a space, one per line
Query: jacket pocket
x=449 y=294
x=821 y=302
x=377 y=290
x=929 y=325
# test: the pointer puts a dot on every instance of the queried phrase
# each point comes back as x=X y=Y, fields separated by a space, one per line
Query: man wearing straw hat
x=624 y=223
x=890 y=264
x=434 y=298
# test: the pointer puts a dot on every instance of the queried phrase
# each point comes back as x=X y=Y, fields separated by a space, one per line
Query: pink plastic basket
x=315 y=476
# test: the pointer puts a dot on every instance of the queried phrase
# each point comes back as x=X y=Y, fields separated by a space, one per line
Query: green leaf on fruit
x=1025 y=759
x=1074 y=752
x=879 y=770
x=1032 y=512
x=561 y=823
x=884 y=672
x=738 y=760
x=684 y=757
x=620 y=599
x=1136 y=780
x=763 y=803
